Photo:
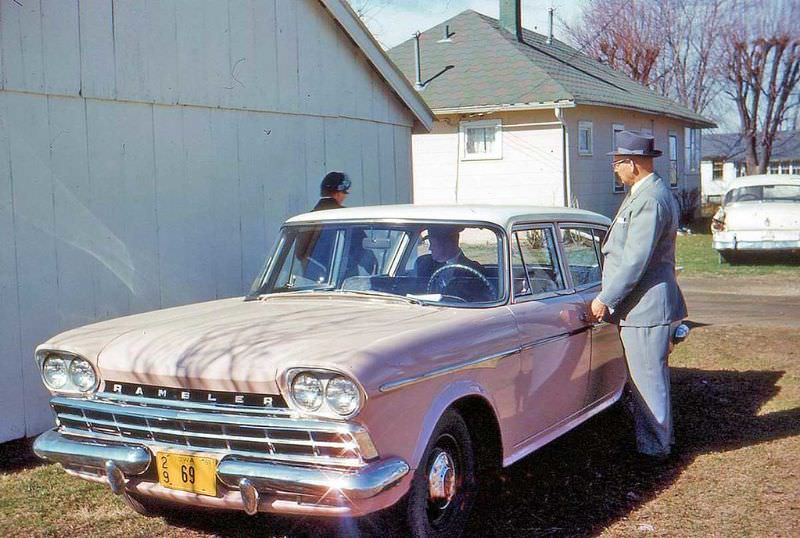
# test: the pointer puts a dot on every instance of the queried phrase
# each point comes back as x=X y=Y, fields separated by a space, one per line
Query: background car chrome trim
x=271 y=477
x=53 y=446
x=475 y=363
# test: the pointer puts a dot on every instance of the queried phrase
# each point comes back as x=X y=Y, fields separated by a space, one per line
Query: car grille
x=272 y=434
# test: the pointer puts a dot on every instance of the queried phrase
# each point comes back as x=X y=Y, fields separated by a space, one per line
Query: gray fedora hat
x=631 y=143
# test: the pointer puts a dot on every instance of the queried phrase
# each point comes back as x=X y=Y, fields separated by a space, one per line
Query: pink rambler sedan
x=386 y=357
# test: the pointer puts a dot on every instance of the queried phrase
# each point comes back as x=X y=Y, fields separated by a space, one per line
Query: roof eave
x=698 y=121
x=485 y=109
x=362 y=37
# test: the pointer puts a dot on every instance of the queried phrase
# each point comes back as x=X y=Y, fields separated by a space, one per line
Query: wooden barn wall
x=150 y=150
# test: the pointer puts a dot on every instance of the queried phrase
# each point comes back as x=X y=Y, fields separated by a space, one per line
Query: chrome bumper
x=120 y=461
x=131 y=459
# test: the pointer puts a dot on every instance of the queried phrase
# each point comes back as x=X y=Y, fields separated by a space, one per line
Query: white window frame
x=585 y=126
x=497 y=146
x=692 y=148
x=673 y=182
x=716 y=164
x=616 y=188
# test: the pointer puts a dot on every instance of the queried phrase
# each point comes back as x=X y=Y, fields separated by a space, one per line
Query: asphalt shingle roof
x=491 y=67
x=730 y=147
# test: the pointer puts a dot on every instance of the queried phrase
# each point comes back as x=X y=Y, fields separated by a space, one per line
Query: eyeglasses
x=614 y=164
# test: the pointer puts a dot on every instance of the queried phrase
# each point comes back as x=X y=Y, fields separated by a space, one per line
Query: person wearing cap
x=639 y=290
x=334 y=189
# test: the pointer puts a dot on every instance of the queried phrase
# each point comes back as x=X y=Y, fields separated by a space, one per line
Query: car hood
x=238 y=345
x=763 y=216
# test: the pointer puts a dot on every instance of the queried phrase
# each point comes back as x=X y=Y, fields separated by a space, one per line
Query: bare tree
x=762 y=63
x=671 y=46
x=624 y=35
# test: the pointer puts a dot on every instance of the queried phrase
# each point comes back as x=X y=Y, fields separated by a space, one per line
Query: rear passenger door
x=581 y=245
x=554 y=361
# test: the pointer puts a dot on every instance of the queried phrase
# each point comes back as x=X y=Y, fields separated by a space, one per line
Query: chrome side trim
x=130 y=459
x=479 y=362
x=554 y=338
x=482 y=362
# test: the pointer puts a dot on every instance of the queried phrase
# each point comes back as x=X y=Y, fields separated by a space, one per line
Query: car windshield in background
x=764 y=193
x=454 y=264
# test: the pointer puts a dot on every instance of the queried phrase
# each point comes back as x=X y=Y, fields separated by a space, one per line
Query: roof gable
x=361 y=36
x=491 y=67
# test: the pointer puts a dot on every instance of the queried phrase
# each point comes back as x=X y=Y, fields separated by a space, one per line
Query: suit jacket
x=327 y=203
x=639 y=283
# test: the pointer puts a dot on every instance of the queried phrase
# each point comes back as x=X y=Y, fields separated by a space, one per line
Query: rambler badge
x=211 y=397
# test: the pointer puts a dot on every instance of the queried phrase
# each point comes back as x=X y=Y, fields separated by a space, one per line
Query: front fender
x=443 y=400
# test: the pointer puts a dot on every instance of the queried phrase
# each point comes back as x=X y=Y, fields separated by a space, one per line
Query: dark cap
x=335 y=182
x=631 y=143
x=444 y=230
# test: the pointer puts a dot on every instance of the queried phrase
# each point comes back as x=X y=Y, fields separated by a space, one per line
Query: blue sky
x=393 y=21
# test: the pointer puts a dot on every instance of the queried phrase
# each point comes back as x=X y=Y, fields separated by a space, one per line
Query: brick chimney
x=511 y=16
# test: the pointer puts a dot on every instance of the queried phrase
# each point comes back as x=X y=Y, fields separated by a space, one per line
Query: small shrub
x=689 y=204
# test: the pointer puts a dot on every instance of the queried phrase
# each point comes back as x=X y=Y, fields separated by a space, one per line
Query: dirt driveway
x=763 y=301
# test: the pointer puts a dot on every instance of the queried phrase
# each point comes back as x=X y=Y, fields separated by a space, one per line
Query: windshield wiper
x=384 y=294
x=306 y=291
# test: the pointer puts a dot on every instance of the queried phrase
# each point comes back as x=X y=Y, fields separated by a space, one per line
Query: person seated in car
x=445 y=251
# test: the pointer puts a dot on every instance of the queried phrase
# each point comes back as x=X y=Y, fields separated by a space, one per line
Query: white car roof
x=502 y=215
x=763 y=179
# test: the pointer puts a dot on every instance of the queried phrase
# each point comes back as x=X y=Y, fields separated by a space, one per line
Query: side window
x=519 y=276
x=580 y=248
x=538 y=252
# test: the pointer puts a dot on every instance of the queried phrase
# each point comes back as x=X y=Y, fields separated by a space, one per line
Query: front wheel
x=444 y=486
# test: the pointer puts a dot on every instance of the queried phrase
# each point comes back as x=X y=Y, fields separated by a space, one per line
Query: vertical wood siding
x=150 y=150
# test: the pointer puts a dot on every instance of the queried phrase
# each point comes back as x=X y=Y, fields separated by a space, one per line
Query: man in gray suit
x=640 y=292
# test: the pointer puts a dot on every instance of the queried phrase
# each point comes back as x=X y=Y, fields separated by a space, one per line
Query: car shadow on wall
x=588 y=479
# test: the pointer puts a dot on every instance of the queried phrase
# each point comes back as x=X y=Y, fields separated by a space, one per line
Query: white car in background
x=759 y=214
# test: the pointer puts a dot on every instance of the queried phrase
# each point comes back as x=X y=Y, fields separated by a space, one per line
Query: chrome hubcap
x=442 y=480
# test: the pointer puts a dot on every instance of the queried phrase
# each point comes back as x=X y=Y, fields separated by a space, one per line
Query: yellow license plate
x=187 y=472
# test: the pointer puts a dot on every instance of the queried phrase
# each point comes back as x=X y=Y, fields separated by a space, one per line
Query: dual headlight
x=68 y=373
x=324 y=392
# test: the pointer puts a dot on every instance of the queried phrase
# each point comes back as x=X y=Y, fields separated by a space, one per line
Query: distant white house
x=521 y=119
x=724 y=159
x=150 y=150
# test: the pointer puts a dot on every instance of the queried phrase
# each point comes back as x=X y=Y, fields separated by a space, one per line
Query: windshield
x=764 y=193
x=454 y=264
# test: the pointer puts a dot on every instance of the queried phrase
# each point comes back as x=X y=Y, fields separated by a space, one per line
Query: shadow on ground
x=17 y=455
x=589 y=478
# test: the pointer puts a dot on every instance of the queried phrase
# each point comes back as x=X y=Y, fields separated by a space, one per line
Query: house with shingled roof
x=524 y=118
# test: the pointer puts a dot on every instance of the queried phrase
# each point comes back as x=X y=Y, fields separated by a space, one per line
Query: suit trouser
x=647 y=352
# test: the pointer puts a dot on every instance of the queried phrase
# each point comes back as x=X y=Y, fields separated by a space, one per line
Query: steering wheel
x=747 y=197
x=457 y=266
